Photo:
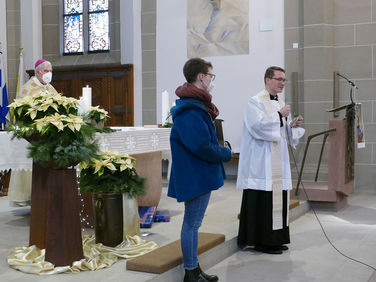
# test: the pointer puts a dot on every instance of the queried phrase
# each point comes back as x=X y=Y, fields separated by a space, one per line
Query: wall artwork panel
x=217 y=28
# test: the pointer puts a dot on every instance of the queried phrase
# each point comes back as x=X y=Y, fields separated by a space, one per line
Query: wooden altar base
x=319 y=196
x=54 y=218
x=149 y=165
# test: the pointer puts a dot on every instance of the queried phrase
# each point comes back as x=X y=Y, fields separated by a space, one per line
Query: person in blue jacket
x=196 y=167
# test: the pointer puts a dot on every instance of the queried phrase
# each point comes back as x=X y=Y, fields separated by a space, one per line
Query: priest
x=20 y=181
x=41 y=80
x=264 y=167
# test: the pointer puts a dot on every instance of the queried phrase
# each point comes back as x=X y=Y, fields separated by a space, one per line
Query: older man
x=41 y=80
x=264 y=167
x=20 y=181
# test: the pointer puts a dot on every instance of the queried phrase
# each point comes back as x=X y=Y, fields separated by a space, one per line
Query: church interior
x=121 y=61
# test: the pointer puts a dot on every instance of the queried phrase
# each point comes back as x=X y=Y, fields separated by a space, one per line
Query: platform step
x=170 y=255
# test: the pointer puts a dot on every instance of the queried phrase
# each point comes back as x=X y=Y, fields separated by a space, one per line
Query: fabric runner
x=275 y=147
x=96 y=256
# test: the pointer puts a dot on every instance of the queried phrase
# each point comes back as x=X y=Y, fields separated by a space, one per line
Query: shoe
x=267 y=250
x=193 y=275
x=282 y=248
x=208 y=277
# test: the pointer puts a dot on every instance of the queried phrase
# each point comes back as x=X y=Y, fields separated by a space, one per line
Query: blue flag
x=3 y=93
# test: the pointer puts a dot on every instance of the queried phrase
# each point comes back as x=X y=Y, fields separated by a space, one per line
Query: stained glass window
x=98 y=5
x=73 y=31
x=85 y=19
x=99 y=39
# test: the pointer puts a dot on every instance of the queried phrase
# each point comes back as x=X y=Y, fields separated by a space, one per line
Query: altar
x=13 y=153
x=14 y=157
x=146 y=146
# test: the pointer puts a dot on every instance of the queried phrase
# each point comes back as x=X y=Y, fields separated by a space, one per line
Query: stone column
x=3 y=31
x=130 y=49
x=31 y=32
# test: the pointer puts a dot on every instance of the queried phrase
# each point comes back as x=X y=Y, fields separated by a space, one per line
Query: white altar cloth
x=135 y=140
x=13 y=153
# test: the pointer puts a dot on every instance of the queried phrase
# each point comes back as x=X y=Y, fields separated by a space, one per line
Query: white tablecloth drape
x=13 y=153
x=135 y=140
x=14 y=156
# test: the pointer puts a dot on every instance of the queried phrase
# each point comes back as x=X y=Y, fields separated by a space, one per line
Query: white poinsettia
x=99 y=166
x=56 y=120
x=98 y=114
x=74 y=122
x=111 y=160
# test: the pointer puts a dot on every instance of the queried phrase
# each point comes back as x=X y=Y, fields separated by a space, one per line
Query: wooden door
x=112 y=88
x=64 y=83
x=98 y=81
x=121 y=98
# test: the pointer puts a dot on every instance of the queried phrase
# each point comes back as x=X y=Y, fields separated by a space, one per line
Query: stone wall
x=51 y=24
x=13 y=45
x=333 y=35
x=149 y=83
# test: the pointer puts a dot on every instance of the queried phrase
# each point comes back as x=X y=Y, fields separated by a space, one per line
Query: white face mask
x=209 y=87
x=47 y=77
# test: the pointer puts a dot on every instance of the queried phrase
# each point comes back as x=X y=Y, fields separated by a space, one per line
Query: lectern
x=332 y=194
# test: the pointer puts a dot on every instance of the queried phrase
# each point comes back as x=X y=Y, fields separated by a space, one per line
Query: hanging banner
x=359 y=126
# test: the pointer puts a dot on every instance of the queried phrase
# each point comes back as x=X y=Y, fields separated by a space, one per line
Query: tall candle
x=86 y=97
x=165 y=106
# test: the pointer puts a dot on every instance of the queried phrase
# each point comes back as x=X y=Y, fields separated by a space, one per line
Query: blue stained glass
x=98 y=5
x=73 y=7
x=73 y=38
x=99 y=32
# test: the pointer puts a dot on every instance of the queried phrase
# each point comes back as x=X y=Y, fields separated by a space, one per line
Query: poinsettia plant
x=97 y=114
x=111 y=172
x=57 y=133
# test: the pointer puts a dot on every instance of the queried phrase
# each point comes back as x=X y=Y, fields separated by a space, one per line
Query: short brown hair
x=195 y=66
x=269 y=73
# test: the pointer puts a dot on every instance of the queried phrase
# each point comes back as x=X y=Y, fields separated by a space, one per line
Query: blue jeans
x=193 y=215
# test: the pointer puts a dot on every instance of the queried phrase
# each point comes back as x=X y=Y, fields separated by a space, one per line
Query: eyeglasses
x=212 y=75
x=279 y=79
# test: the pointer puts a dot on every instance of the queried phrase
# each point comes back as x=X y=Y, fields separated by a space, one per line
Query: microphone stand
x=352 y=86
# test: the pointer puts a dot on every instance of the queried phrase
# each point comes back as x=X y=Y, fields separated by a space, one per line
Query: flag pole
x=20 y=78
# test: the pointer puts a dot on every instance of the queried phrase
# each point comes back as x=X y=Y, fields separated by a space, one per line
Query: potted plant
x=59 y=139
x=97 y=117
x=113 y=181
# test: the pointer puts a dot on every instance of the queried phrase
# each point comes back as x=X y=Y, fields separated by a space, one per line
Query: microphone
x=348 y=80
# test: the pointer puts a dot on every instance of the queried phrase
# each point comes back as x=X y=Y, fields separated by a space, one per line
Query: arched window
x=85 y=20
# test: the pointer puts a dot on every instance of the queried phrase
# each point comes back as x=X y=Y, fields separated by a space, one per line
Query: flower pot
x=131 y=218
x=108 y=218
x=98 y=125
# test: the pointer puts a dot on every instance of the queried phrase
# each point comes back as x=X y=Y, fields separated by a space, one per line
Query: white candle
x=165 y=106
x=86 y=97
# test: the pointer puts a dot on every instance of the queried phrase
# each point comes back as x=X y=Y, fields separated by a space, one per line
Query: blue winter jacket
x=196 y=156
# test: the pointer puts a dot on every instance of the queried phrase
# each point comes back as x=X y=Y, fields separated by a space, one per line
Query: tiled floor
x=310 y=258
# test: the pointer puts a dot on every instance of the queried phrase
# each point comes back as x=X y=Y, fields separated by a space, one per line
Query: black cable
x=314 y=212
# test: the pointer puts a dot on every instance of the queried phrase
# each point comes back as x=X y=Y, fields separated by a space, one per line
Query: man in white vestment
x=20 y=181
x=41 y=80
x=264 y=167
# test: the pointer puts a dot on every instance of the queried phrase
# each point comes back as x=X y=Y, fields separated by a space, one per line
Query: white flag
x=20 y=80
